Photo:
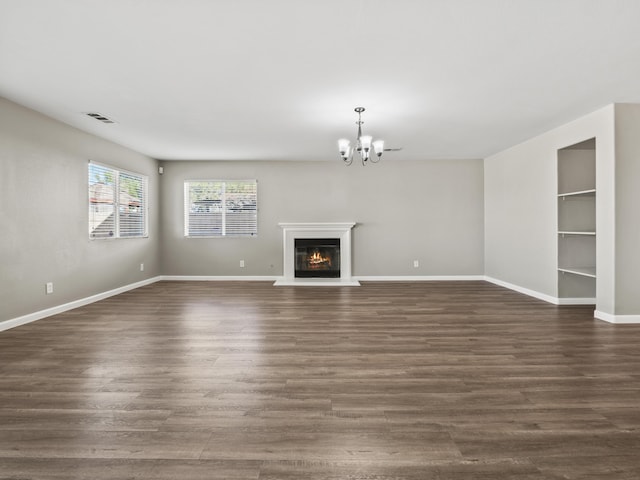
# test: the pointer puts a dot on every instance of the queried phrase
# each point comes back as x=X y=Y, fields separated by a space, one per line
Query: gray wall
x=431 y=211
x=521 y=208
x=627 y=239
x=520 y=227
x=43 y=215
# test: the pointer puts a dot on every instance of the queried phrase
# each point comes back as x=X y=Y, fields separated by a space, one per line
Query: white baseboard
x=218 y=278
x=417 y=278
x=620 y=319
x=576 y=301
x=542 y=296
x=32 y=317
x=526 y=291
x=355 y=279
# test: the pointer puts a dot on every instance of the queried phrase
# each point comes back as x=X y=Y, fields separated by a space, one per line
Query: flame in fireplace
x=316 y=260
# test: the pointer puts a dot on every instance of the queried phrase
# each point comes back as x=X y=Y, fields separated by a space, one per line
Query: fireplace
x=317 y=258
x=317 y=254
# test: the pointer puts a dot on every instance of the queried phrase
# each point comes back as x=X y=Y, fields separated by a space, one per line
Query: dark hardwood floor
x=216 y=380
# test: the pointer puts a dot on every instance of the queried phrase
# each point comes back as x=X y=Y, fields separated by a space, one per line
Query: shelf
x=581 y=192
x=583 y=271
x=576 y=233
x=576 y=203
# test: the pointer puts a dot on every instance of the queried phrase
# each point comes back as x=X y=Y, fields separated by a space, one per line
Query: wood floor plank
x=243 y=380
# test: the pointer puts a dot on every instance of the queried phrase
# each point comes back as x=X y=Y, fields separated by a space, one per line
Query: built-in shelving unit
x=577 y=221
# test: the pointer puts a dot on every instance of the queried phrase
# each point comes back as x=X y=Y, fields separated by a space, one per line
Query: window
x=121 y=215
x=220 y=208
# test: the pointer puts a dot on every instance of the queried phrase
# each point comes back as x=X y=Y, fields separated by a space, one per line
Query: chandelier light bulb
x=343 y=146
x=378 y=147
x=365 y=141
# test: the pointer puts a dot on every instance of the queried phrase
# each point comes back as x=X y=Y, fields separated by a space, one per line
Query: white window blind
x=220 y=208
x=117 y=203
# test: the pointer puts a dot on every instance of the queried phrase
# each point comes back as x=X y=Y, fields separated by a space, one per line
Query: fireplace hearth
x=317 y=258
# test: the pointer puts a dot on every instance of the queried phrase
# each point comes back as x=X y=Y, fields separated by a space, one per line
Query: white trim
x=418 y=278
x=526 y=291
x=318 y=225
x=280 y=280
x=575 y=301
x=542 y=296
x=32 y=317
x=217 y=278
x=316 y=282
x=607 y=317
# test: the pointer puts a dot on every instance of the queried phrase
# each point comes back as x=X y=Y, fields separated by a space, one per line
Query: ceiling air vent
x=99 y=116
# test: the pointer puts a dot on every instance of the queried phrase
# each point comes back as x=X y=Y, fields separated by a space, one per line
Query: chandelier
x=362 y=145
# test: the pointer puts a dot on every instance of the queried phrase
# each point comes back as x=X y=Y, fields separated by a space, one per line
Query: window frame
x=187 y=205
x=117 y=210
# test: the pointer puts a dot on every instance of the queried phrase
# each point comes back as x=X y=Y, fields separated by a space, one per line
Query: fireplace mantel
x=341 y=230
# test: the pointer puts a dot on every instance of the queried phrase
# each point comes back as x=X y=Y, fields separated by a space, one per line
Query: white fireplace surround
x=341 y=230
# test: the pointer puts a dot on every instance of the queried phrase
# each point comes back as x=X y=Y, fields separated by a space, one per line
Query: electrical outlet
x=49 y=288
x=241 y=263
x=416 y=264
x=142 y=267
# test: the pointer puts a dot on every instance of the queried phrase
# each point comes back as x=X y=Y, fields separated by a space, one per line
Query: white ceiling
x=279 y=79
